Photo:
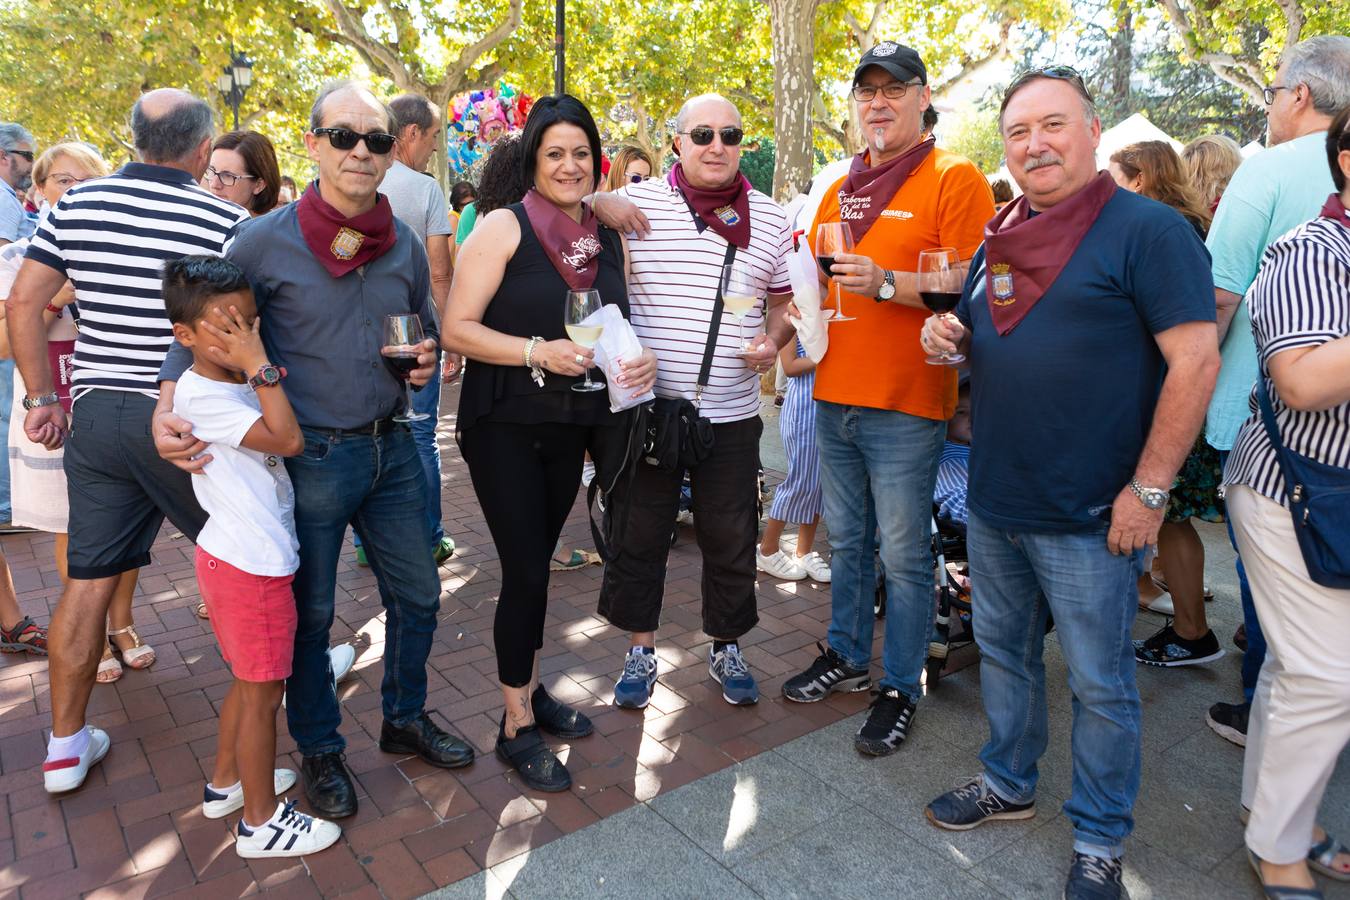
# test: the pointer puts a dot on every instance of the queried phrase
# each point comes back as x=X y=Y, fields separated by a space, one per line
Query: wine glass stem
x=740 y=326
x=407 y=393
x=586 y=372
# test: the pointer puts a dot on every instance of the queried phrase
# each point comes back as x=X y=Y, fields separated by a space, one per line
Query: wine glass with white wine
x=740 y=295
x=582 y=321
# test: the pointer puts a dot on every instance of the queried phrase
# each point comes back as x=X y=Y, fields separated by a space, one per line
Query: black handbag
x=1319 y=501
x=677 y=436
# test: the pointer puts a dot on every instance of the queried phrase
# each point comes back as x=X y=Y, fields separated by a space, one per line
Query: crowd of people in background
x=194 y=337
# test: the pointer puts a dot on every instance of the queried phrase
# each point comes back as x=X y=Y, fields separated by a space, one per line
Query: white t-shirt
x=247 y=494
x=675 y=273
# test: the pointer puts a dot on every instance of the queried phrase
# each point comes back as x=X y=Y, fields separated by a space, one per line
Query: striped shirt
x=953 y=476
x=674 y=276
x=110 y=237
x=1301 y=298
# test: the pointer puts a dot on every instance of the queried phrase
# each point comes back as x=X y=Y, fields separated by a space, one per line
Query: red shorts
x=253 y=616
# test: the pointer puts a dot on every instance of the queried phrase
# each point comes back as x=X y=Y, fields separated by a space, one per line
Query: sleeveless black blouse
x=530 y=301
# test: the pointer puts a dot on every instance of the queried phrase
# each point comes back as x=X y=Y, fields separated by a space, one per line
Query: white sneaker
x=340 y=659
x=780 y=565
x=684 y=517
x=287 y=833
x=61 y=775
x=216 y=805
x=816 y=568
x=587 y=474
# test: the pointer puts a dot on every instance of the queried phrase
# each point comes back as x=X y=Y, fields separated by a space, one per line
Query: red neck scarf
x=1335 y=211
x=342 y=244
x=726 y=210
x=868 y=188
x=1024 y=255
x=573 y=247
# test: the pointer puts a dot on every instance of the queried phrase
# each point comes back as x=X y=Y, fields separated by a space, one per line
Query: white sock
x=225 y=790
x=68 y=747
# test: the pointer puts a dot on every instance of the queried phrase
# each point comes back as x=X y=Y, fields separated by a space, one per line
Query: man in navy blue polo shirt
x=1088 y=320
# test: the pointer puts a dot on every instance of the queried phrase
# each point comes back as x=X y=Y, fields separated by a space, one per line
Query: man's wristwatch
x=267 y=376
x=887 y=289
x=50 y=399
x=1153 y=498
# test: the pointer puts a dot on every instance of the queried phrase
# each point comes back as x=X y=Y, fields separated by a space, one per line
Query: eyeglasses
x=226 y=178
x=1268 y=93
x=377 y=142
x=26 y=154
x=866 y=93
x=703 y=135
x=1060 y=73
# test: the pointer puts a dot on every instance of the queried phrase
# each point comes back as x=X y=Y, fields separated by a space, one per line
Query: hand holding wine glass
x=939 y=285
x=402 y=345
x=833 y=238
x=582 y=322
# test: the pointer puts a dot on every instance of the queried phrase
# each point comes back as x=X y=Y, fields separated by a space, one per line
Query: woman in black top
x=522 y=429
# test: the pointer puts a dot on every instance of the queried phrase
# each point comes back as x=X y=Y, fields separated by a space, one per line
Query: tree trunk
x=793 y=85
x=1122 y=64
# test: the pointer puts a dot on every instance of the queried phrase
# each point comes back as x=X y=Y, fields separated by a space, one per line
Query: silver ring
x=581 y=360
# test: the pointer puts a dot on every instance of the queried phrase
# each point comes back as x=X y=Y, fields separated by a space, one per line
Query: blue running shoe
x=634 y=687
x=728 y=669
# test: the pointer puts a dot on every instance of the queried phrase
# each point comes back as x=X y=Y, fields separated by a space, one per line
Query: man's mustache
x=1045 y=159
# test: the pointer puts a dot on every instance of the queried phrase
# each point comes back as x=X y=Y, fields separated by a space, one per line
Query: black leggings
x=526 y=478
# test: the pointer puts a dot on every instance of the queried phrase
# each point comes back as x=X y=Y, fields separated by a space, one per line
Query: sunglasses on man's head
x=1062 y=73
x=703 y=135
x=377 y=142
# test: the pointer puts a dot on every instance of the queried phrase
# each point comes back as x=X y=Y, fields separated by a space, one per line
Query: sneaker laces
x=635 y=665
x=825 y=662
x=733 y=664
x=1099 y=870
x=971 y=790
x=296 y=821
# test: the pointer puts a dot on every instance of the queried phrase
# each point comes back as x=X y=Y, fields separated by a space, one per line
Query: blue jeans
x=1018 y=578
x=877 y=472
x=1255 y=654
x=428 y=400
x=377 y=485
x=6 y=404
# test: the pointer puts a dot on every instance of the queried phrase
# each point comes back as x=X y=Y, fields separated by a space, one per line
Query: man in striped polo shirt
x=695 y=216
x=110 y=237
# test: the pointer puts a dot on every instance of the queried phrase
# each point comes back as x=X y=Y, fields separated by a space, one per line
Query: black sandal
x=556 y=717
x=528 y=755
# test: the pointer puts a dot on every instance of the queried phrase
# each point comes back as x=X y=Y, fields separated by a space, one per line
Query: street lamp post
x=235 y=81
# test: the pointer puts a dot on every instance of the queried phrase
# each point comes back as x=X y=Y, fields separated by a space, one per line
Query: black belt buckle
x=382 y=426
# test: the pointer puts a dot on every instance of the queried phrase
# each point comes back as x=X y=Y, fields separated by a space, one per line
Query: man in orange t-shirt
x=881 y=411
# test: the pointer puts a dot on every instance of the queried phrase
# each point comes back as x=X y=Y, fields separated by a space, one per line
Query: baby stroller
x=951 y=590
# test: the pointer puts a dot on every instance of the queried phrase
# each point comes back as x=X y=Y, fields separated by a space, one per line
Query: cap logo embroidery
x=346 y=244
x=885 y=48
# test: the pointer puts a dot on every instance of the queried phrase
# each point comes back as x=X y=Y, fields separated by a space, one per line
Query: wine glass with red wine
x=833 y=238
x=402 y=339
x=940 y=289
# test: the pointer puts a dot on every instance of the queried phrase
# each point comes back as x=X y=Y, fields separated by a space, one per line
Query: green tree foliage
x=73 y=68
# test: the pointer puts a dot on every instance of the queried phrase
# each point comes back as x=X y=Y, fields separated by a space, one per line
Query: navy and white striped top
x=1301 y=298
x=110 y=237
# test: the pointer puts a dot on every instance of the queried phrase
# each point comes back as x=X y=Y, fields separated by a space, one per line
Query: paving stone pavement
x=688 y=797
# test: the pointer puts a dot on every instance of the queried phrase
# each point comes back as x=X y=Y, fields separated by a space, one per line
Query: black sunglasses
x=634 y=178
x=703 y=135
x=26 y=154
x=377 y=142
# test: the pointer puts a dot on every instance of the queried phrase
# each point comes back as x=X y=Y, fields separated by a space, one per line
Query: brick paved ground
x=136 y=830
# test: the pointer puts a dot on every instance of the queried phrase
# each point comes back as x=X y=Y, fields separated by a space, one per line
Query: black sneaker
x=1167 y=648
x=1093 y=878
x=829 y=673
x=973 y=804
x=1229 y=721
x=886 y=725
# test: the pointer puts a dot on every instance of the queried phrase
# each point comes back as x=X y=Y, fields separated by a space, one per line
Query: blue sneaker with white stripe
x=287 y=833
x=727 y=667
x=633 y=690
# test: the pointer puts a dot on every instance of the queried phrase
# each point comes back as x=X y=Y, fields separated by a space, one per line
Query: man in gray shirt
x=326 y=271
x=16 y=176
x=417 y=200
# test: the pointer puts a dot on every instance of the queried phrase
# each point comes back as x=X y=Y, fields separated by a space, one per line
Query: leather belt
x=374 y=429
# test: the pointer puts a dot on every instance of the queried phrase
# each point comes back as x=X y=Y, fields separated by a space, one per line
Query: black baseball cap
x=901 y=61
